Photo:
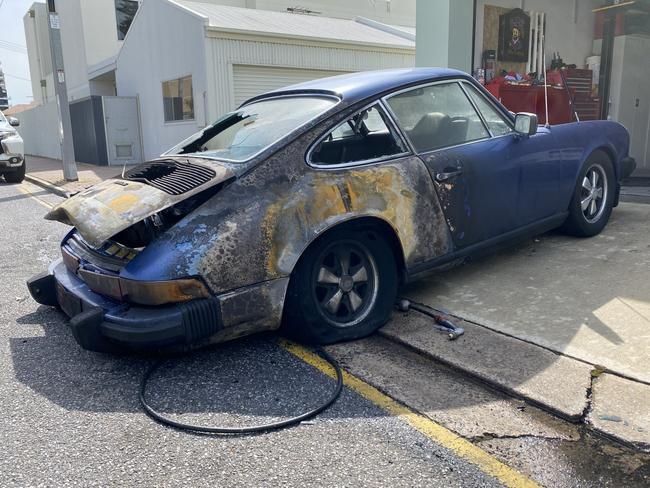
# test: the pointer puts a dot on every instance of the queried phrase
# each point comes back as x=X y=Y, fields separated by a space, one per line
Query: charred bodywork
x=193 y=248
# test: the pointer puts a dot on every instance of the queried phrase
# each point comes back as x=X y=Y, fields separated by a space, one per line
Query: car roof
x=354 y=87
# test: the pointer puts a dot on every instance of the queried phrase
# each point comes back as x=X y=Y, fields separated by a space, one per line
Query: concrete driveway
x=558 y=321
x=585 y=298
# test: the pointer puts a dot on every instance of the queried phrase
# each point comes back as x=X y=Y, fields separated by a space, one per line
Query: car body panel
x=363 y=85
x=246 y=239
x=524 y=169
x=268 y=217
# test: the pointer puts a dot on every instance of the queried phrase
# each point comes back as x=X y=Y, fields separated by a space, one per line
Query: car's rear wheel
x=343 y=287
x=16 y=176
x=593 y=197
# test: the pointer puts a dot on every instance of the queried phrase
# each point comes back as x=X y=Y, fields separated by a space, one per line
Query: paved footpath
x=559 y=321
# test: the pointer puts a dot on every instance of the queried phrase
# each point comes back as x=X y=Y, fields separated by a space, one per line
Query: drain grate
x=173 y=177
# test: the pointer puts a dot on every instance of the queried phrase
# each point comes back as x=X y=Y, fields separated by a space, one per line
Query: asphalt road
x=69 y=417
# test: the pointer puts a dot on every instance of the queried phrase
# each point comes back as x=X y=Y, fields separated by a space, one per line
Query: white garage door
x=250 y=81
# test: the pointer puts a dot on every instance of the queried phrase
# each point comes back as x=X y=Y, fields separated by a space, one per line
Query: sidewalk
x=582 y=303
x=48 y=173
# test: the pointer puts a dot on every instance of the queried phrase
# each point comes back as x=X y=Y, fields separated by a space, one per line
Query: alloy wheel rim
x=345 y=283
x=593 y=194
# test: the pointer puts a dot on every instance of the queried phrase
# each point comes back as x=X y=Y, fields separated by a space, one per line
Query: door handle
x=440 y=177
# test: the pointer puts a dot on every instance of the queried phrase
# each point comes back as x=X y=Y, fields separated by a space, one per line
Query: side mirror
x=526 y=123
x=13 y=121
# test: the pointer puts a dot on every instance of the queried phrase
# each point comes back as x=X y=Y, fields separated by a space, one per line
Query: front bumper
x=11 y=153
x=102 y=324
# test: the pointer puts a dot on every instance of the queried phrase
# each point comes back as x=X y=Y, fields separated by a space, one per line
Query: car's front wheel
x=16 y=176
x=593 y=197
x=343 y=288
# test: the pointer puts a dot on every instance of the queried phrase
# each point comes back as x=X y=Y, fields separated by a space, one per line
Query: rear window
x=240 y=135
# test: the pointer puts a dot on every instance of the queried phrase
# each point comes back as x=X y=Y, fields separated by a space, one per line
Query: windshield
x=240 y=135
x=2 y=118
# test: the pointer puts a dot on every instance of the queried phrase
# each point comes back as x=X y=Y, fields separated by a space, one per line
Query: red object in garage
x=530 y=98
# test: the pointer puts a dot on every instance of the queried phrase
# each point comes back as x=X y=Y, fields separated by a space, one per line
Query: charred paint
x=109 y=207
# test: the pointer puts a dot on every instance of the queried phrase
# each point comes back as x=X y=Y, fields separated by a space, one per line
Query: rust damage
x=323 y=199
x=265 y=220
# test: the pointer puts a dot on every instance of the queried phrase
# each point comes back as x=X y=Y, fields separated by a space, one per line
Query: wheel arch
x=609 y=152
x=365 y=223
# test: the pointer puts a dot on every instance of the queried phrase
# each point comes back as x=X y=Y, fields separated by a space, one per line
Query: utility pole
x=61 y=92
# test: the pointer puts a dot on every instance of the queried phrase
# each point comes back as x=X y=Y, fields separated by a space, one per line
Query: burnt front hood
x=113 y=205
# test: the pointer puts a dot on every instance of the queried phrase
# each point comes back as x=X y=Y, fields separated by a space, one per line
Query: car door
x=477 y=190
x=475 y=164
x=538 y=157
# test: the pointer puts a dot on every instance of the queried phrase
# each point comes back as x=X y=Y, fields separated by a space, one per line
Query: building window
x=124 y=12
x=177 y=99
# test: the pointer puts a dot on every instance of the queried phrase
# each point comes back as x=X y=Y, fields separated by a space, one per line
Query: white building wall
x=154 y=51
x=40 y=130
x=99 y=30
x=74 y=52
x=89 y=38
x=38 y=47
x=568 y=31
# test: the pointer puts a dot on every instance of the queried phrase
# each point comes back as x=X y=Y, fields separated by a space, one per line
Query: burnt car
x=309 y=206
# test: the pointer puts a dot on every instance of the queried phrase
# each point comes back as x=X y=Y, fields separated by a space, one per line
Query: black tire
x=16 y=176
x=592 y=220
x=308 y=318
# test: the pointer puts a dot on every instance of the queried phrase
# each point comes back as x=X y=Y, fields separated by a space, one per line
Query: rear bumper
x=99 y=323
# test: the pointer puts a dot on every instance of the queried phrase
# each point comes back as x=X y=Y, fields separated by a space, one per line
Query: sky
x=13 y=56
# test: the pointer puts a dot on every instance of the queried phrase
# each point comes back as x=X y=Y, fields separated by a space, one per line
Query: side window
x=365 y=136
x=495 y=121
x=437 y=116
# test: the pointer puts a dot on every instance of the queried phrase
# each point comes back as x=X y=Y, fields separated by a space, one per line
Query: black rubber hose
x=159 y=417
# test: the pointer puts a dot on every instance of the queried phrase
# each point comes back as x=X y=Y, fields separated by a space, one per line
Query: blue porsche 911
x=309 y=206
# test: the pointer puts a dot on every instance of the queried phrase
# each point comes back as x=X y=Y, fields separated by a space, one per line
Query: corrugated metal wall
x=252 y=80
x=225 y=55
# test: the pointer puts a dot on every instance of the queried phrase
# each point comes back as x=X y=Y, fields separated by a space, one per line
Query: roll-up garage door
x=250 y=81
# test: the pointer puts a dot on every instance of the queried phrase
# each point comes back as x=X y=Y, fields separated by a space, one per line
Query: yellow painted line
x=436 y=432
x=39 y=200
